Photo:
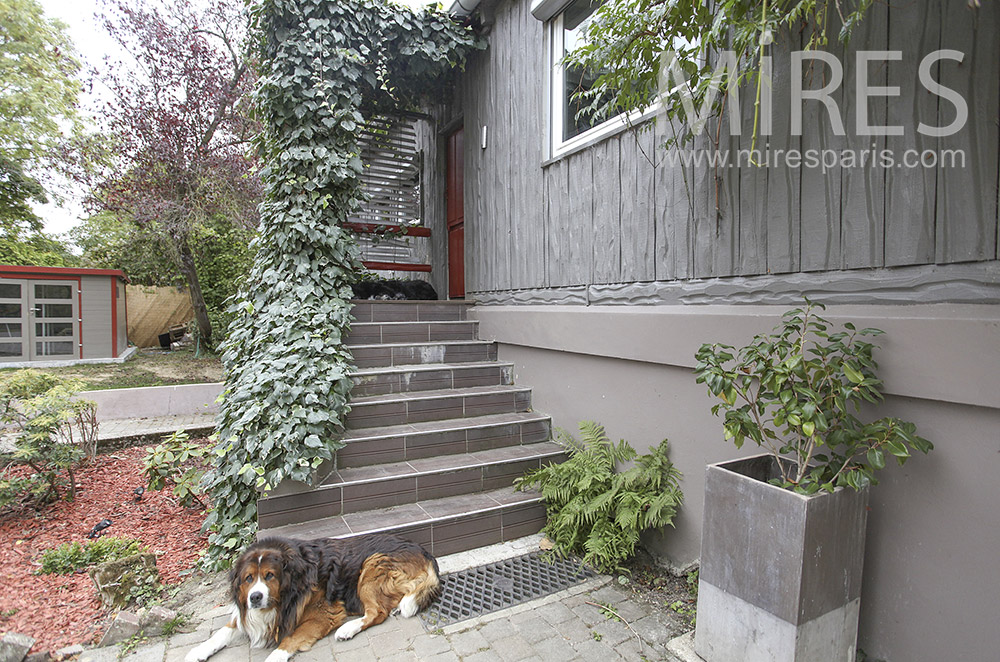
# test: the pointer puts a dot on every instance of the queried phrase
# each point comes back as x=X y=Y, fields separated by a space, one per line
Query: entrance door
x=456 y=217
x=53 y=315
x=14 y=320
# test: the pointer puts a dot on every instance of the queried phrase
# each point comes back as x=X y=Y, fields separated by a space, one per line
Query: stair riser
x=422 y=332
x=460 y=534
x=356 y=498
x=429 y=380
x=381 y=450
x=383 y=357
x=429 y=311
x=380 y=414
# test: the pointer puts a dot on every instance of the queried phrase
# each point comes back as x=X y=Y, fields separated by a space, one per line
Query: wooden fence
x=153 y=310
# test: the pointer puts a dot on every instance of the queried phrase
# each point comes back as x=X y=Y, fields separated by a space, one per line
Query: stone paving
x=129 y=428
x=564 y=626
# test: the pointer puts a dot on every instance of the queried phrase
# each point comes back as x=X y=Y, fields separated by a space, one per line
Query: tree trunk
x=187 y=267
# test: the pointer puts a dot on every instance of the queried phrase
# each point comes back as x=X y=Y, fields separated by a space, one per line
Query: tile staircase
x=436 y=435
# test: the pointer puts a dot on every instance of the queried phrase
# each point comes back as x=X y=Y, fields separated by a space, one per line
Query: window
x=565 y=32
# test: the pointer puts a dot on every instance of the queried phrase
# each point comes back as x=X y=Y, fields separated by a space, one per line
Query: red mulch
x=61 y=610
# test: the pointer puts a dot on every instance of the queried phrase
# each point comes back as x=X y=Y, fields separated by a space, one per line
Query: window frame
x=555 y=146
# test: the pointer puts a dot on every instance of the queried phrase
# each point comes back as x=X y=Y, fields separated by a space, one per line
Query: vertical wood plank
x=704 y=222
x=579 y=235
x=865 y=226
x=673 y=210
x=966 y=204
x=820 y=247
x=753 y=190
x=784 y=183
x=606 y=184
x=556 y=228
x=637 y=229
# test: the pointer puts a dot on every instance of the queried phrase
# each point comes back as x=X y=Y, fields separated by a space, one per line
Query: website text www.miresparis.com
x=820 y=159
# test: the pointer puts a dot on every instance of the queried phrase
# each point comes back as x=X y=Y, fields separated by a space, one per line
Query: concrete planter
x=780 y=573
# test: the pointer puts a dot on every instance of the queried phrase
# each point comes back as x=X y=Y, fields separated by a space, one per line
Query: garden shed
x=61 y=314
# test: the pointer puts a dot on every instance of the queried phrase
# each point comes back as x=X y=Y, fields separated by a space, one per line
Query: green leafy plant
x=597 y=511
x=177 y=462
x=53 y=432
x=630 y=42
x=72 y=556
x=795 y=392
x=325 y=67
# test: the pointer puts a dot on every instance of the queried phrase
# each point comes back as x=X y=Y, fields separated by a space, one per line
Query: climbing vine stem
x=325 y=67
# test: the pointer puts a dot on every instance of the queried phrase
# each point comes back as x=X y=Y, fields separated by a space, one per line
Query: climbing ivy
x=325 y=66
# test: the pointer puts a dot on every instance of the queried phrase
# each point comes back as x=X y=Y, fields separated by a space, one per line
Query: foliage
x=178 y=131
x=221 y=252
x=72 y=556
x=630 y=43
x=324 y=66
x=178 y=462
x=38 y=94
x=53 y=433
x=597 y=511
x=794 y=392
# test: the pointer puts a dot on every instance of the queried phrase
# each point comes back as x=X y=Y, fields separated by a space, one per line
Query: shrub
x=53 y=433
x=72 y=556
x=178 y=462
x=597 y=511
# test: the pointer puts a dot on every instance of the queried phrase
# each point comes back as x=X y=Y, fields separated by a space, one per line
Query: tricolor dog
x=292 y=593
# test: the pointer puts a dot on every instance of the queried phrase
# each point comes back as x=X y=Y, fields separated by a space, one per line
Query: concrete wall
x=930 y=581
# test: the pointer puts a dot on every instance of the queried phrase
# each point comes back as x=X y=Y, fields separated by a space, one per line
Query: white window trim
x=555 y=147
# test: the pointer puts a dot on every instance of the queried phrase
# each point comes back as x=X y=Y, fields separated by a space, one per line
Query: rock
x=125 y=626
x=40 y=657
x=155 y=618
x=545 y=544
x=68 y=652
x=14 y=647
x=117 y=580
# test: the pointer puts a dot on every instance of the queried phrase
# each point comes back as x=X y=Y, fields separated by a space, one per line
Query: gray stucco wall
x=930 y=581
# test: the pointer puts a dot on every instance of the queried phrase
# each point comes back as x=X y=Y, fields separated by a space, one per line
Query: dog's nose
x=255 y=598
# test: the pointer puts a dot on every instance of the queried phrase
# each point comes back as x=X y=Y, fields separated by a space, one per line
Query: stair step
x=367 y=488
x=397 y=443
x=430 y=377
x=442 y=526
x=370 y=333
x=403 y=408
x=445 y=351
x=367 y=310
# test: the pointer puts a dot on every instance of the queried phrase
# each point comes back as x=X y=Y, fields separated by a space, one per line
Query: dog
x=395 y=290
x=295 y=592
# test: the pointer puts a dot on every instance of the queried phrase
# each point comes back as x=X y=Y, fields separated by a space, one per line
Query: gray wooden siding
x=96 y=315
x=618 y=213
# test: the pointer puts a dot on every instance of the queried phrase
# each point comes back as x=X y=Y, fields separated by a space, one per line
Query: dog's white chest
x=258 y=626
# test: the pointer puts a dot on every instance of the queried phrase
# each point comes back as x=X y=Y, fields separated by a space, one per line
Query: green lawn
x=147 y=367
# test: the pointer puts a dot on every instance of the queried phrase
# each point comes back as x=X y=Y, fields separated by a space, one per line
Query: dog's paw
x=408 y=606
x=278 y=655
x=348 y=630
x=199 y=653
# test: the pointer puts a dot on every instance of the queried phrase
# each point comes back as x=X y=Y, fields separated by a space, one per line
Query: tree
x=38 y=96
x=178 y=125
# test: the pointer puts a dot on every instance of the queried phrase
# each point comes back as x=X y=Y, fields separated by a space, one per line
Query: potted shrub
x=783 y=532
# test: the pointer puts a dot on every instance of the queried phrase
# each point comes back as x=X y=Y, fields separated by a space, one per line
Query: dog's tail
x=426 y=587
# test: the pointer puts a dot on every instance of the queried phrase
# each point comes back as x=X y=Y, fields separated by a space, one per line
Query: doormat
x=488 y=588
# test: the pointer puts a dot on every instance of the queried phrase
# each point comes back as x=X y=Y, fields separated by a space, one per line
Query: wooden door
x=456 y=217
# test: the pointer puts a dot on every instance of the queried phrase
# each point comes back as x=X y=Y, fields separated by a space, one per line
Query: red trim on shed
x=54 y=272
x=396 y=266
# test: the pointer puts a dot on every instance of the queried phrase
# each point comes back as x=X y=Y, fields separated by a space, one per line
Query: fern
x=597 y=511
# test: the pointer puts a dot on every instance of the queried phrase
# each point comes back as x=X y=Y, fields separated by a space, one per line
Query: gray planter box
x=780 y=576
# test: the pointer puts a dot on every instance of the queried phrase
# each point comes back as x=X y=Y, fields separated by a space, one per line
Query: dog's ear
x=235 y=581
x=298 y=579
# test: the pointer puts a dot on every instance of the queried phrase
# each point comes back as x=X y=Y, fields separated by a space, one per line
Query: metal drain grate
x=495 y=586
